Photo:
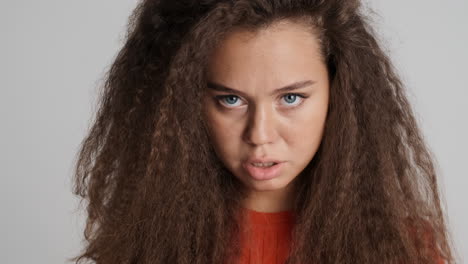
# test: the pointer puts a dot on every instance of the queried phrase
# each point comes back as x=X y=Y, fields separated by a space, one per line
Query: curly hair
x=157 y=193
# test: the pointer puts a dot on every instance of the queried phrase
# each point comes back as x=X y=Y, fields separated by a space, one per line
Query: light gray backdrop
x=53 y=55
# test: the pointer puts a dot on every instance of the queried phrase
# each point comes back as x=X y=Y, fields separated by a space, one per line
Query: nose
x=260 y=127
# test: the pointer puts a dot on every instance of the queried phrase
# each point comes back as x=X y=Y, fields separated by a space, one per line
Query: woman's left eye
x=293 y=99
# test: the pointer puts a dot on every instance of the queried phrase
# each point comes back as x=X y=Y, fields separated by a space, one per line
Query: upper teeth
x=266 y=164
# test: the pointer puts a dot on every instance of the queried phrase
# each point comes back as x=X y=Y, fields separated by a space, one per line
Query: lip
x=263 y=173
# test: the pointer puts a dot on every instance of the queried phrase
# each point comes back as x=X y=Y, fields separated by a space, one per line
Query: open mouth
x=264 y=170
x=264 y=165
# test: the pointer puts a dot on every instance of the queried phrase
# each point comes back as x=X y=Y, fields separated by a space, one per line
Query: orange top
x=267 y=236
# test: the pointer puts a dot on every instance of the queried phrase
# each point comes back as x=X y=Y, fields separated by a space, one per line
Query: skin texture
x=256 y=121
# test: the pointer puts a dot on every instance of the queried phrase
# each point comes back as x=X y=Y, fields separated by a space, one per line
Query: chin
x=269 y=185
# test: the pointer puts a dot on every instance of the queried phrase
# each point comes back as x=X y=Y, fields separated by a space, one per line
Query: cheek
x=224 y=135
x=305 y=131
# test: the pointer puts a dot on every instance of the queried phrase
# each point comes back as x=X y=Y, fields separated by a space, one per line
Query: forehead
x=281 y=53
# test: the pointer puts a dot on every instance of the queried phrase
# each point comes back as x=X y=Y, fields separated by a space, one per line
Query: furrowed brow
x=291 y=87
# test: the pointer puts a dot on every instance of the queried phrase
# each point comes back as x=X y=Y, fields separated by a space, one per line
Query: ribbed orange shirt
x=267 y=236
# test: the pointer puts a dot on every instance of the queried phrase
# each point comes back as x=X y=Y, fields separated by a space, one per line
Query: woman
x=257 y=131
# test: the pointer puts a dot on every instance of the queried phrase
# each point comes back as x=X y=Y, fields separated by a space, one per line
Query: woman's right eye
x=229 y=100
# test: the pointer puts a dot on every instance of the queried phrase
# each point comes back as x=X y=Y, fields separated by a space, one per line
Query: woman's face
x=267 y=101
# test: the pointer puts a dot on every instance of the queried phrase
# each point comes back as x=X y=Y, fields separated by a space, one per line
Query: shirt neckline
x=257 y=217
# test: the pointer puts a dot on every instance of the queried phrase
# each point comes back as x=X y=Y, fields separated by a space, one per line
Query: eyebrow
x=287 y=88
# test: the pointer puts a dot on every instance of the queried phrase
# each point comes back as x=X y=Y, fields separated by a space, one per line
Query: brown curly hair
x=157 y=193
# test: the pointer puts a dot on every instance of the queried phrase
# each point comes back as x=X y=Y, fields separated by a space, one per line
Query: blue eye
x=228 y=100
x=293 y=99
x=231 y=101
x=290 y=98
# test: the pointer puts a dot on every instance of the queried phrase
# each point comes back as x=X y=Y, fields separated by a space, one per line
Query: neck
x=270 y=201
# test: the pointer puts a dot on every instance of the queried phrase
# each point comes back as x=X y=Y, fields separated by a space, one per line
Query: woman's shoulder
x=423 y=235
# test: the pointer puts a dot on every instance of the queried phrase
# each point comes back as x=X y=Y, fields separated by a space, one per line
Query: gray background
x=53 y=55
